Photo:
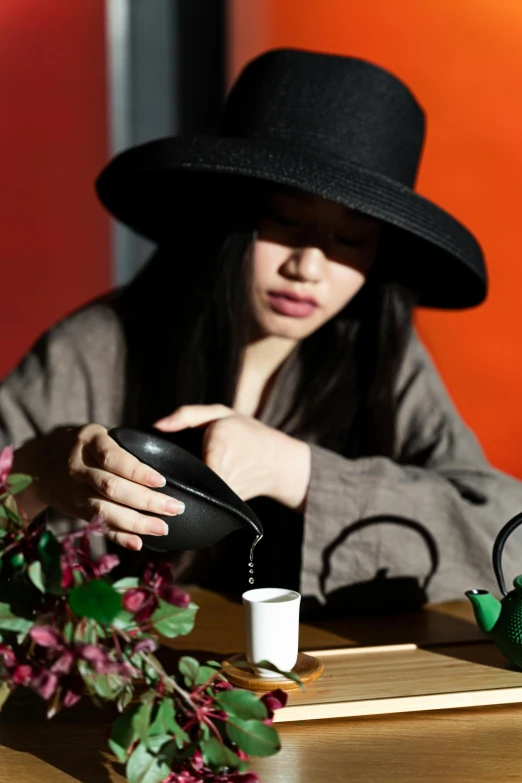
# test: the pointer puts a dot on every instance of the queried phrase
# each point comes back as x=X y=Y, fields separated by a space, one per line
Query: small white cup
x=272 y=628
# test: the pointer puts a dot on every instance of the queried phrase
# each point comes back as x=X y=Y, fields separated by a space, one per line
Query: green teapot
x=501 y=620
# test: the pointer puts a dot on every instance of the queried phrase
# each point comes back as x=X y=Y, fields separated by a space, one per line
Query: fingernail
x=138 y=544
x=156 y=480
x=158 y=528
x=174 y=506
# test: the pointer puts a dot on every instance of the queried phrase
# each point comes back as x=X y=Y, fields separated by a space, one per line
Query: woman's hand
x=81 y=471
x=254 y=459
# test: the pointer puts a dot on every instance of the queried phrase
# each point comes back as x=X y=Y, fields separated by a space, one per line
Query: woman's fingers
x=193 y=416
x=128 y=493
x=127 y=540
x=125 y=519
x=112 y=458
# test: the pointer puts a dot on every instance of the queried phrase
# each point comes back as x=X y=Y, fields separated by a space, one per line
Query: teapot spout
x=486 y=608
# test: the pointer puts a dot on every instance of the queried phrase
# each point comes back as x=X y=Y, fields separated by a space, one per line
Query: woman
x=275 y=320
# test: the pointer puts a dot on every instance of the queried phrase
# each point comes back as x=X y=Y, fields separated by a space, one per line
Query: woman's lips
x=293 y=307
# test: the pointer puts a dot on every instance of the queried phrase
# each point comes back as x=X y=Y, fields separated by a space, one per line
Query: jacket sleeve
x=436 y=507
x=73 y=375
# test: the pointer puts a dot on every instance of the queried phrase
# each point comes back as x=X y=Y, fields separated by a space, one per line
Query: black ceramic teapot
x=212 y=509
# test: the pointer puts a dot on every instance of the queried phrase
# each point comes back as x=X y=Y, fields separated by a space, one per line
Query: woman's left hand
x=254 y=459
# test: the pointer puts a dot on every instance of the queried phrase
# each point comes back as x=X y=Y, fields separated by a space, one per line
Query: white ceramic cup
x=272 y=628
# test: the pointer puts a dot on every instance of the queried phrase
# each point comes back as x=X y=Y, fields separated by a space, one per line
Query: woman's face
x=310 y=259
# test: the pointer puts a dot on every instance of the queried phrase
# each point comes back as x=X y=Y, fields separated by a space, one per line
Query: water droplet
x=251 y=580
x=251 y=565
x=251 y=571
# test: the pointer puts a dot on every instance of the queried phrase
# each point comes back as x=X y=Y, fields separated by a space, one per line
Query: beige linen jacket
x=453 y=502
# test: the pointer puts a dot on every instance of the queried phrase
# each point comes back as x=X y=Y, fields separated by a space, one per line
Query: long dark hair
x=186 y=318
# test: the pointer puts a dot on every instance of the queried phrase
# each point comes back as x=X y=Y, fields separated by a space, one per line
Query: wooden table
x=475 y=745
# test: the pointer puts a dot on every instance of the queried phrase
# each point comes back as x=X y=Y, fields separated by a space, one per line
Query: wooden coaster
x=307 y=669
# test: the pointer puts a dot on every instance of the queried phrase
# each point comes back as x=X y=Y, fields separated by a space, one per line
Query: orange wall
x=54 y=241
x=463 y=60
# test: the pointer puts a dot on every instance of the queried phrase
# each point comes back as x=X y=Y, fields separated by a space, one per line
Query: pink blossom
x=274 y=700
x=223 y=685
x=97 y=526
x=99 y=658
x=144 y=614
x=197 y=760
x=106 y=563
x=145 y=645
x=175 y=595
x=45 y=636
x=157 y=574
x=63 y=664
x=74 y=692
x=45 y=684
x=67 y=574
x=22 y=675
x=6 y=463
x=93 y=654
x=8 y=655
x=134 y=599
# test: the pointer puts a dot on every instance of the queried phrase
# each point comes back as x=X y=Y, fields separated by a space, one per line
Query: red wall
x=463 y=59
x=54 y=240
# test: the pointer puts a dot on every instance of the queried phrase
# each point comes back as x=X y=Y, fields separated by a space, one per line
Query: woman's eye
x=350 y=241
x=283 y=221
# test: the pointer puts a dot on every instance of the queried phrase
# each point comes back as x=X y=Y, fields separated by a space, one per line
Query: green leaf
x=244 y=664
x=145 y=767
x=123 y=621
x=156 y=742
x=126 y=583
x=120 y=754
x=165 y=723
x=107 y=686
x=36 y=575
x=17 y=482
x=3 y=512
x=171 y=621
x=17 y=560
x=242 y=704
x=5 y=692
x=10 y=622
x=253 y=737
x=141 y=720
x=216 y=753
x=50 y=551
x=96 y=599
x=68 y=632
x=11 y=509
x=125 y=697
x=86 y=631
x=189 y=668
x=165 y=718
x=123 y=733
x=205 y=673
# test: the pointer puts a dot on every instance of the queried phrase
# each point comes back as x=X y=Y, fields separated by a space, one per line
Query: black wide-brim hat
x=338 y=127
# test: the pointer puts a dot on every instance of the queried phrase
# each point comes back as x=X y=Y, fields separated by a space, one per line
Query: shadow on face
x=310 y=248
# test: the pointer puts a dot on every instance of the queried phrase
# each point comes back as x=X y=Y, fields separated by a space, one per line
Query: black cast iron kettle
x=212 y=509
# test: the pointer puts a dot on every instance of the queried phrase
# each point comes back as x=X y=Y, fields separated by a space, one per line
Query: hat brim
x=150 y=188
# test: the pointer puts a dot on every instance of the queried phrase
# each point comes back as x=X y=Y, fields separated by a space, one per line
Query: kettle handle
x=498 y=548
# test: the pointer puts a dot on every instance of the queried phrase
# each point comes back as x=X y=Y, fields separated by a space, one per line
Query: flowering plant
x=66 y=630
